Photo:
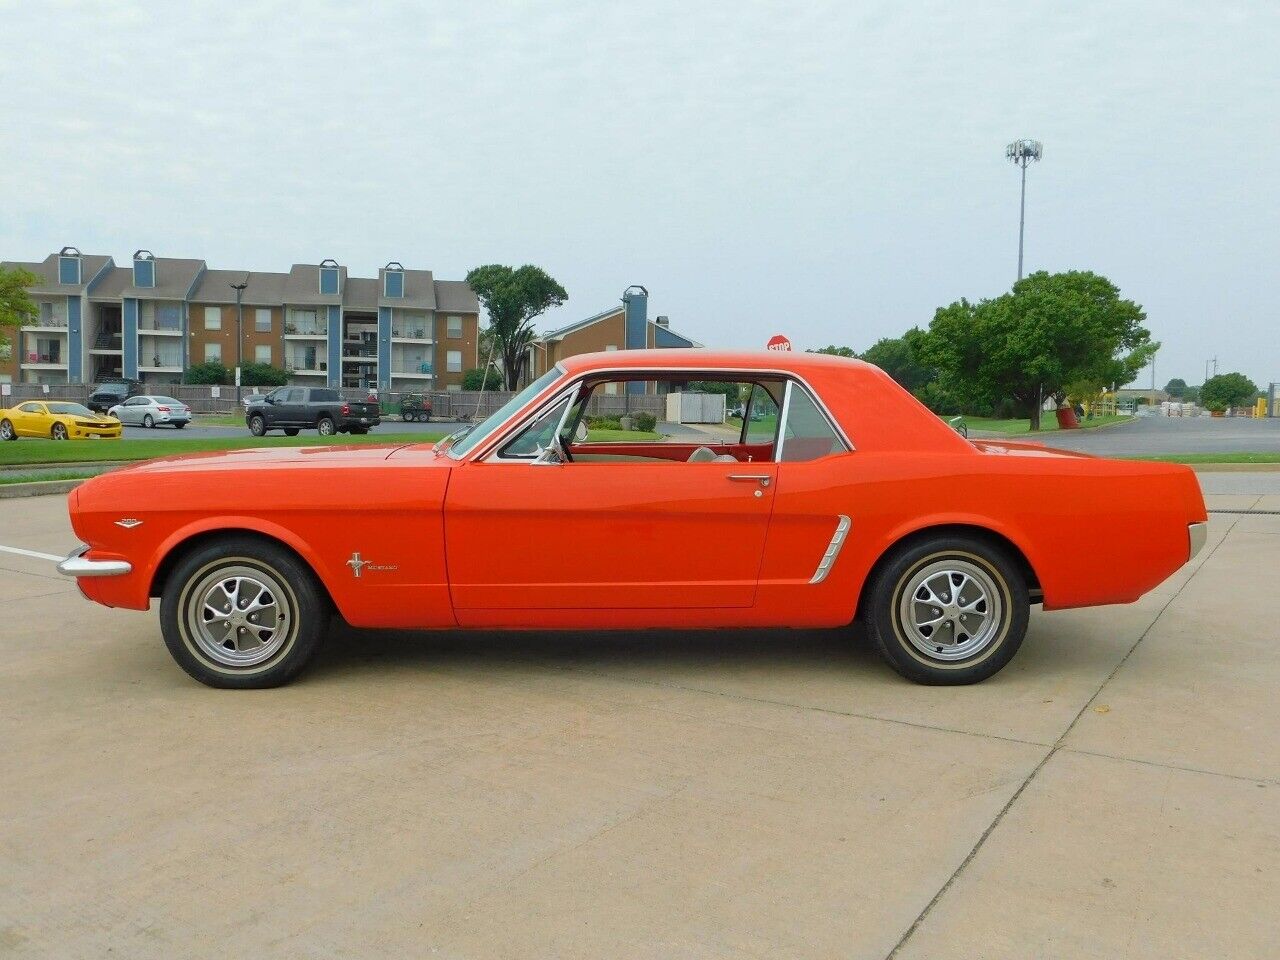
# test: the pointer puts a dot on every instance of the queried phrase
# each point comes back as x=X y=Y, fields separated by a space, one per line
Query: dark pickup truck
x=310 y=408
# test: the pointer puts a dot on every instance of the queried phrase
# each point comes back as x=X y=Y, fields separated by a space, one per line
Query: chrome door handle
x=762 y=478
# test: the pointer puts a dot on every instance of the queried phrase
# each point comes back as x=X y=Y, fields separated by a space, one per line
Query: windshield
x=465 y=444
x=74 y=409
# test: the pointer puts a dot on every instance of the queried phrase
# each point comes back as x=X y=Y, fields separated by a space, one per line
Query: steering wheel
x=560 y=449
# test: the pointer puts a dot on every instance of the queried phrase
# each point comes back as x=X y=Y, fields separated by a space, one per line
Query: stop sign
x=778 y=342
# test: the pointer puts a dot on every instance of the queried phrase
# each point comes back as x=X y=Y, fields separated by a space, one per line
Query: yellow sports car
x=57 y=420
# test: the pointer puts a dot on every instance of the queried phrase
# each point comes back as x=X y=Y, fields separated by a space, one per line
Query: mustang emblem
x=358 y=563
x=128 y=522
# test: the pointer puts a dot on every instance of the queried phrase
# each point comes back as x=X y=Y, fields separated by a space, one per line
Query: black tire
x=301 y=596
x=180 y=424
x=59 y=432
x=326 y=426
x=291 y=431
x=258 y=425
x=425 y=417
x=6 y=430
x=996 y=640
x=358 y=431
x=148 y=422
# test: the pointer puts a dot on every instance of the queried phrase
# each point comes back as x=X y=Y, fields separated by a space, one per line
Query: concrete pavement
x=1152 y=435
x=1115 y=792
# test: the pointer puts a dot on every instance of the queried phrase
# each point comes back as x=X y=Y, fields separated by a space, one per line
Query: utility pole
x=1022 y=153
x=239 y=289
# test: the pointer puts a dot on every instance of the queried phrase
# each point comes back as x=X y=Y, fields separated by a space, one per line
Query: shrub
x=262 y=375
x=604 y=423
x=210 y=373
x=476 y=380
x=646 y=422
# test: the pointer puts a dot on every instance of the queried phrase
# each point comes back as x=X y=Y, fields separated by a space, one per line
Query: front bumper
x=76 y=565
x=1197 y=534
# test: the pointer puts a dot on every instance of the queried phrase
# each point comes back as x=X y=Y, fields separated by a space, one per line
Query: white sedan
x=148 y=410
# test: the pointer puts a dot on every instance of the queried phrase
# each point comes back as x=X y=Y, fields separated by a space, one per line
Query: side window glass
x=762 y=416
x=806 y=435
x=295 y=396
x=534 y=438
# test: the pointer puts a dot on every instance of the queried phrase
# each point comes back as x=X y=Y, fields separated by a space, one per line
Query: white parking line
x=53 y=558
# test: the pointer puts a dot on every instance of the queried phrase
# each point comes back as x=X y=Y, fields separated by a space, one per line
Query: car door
x=129 y=410
x=293 y=413
x=525 y=534
x=30 y=420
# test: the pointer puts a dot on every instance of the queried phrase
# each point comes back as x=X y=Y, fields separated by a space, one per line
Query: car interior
x=712 y=420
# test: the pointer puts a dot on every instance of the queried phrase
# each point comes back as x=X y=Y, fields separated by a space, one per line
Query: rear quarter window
x=325 y=396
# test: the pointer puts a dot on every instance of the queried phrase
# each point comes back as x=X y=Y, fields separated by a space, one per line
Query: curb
x=1232 y=467
x=69 y=465
x=39 y=488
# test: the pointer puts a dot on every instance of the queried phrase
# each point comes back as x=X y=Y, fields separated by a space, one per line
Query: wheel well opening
x=194 y=542
x=958 y=530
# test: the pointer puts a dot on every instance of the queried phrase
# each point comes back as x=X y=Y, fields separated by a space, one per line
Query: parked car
x=150 y=410
x=112 y=392
x=56 y=420
x=854 y=502
x=292 y=409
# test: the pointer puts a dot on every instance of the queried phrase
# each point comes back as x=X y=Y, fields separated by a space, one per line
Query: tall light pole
x=1023 y=152
x=239 y=289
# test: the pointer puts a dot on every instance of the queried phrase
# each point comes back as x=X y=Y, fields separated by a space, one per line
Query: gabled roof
x=303 y=285
x=456 y=296
x=552 y=335
x=419 y=291
x=174 y=279
x=361 y=293
x=113 y=284
x=263 y=289
x=47 y=270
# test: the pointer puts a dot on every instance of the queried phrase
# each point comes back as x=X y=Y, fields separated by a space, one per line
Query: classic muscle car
x=833 y=496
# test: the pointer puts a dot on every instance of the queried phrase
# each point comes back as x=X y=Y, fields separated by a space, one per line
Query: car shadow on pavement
x=346 y=649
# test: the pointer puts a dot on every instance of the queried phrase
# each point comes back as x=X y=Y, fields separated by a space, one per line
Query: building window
x=144 y=269
x=453 y=361
x=213 y=353
x=262 y=353
x=453 y=387
x=454 y=328
x=393 y=284
x=213 y=318
x=329 y=278
x=167 y=317
x=68 y=269
x=262 y=320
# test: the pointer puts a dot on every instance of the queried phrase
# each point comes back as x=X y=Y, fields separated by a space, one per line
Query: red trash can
x=1067 y=419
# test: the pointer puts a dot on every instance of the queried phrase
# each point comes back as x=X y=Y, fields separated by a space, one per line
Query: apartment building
x=404 y=330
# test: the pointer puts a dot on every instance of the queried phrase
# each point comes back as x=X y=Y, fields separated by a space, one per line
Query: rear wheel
x=242 y=613
x=948 y=610
x=327 y=427
x=6 y=431
x=180 y=424
x=59 y=431
x=147 y=421
x=257 y=425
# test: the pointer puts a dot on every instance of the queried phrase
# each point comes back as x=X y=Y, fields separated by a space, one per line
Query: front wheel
x=6 y=431
x=257 y=426
x=59 y=432
x=327 y=427
x=242 y=613
x=948 y=610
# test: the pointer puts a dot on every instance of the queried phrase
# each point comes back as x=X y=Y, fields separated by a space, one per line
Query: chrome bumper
x=77 y=566
x=1197 y=533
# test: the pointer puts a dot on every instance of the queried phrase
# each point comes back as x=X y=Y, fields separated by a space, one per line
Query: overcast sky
x=833 y=172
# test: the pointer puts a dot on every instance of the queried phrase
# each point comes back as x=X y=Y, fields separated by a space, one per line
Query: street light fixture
x=1023 y=152
x=239 y=289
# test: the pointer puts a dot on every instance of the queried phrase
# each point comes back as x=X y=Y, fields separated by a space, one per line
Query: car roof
x=701 y=359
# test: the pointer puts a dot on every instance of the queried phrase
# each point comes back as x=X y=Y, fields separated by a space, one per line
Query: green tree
x=211 y=373
x=513 y=297
x=480 y=379
x=1176 y=388
x=896 y=356
x=16 y=306
x=1227 y=390
x=835 y=351
x=1050 y=330
x=262 y=375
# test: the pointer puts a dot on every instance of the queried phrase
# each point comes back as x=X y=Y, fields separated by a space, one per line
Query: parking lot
x=1114 y=793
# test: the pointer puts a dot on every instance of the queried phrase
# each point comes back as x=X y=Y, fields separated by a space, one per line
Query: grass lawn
x=621 y=436
x=85 y=451
x=1048 y=422
x=1254 y=457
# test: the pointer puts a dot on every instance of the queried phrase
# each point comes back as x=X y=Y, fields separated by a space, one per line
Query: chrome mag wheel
x=951 y=609
x=240 y=616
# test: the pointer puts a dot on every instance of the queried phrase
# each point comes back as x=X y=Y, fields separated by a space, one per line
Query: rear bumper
x=77 y=565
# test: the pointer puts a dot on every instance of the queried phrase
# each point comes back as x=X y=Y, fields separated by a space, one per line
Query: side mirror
x=580 y=433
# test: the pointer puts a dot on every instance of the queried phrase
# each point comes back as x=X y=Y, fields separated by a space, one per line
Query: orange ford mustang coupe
x=800 y=490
